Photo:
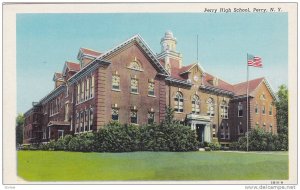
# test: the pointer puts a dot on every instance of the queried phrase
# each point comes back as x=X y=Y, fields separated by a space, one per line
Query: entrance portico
x=201 y=124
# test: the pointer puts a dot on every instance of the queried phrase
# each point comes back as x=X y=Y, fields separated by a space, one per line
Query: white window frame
x=195 y=104
x=62 y=136
x=210 y=107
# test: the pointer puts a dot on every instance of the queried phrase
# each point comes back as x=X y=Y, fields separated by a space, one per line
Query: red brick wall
x=124 y=98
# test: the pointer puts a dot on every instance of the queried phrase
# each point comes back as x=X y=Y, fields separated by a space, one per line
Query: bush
x=259 y=140
x=168 y=137
x=83 y=142
x=234 y=146
x=214 y=146
x=207 y=148
x=117 y=138
x=44 y=146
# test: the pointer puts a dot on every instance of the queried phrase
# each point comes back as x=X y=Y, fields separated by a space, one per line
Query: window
x=222 y=136
x=133 y=116
x=71 y=124
x=135 y=65
x=150 y=117
x=195 y=105
x=92 y=86
x=115 y=114
x=134 y=85
x=87 y=96
x=222 y=126
x=82 y=91
x=91 y=119
x=214 y=130
x=271 y=128
x=240 y=110
x=77 y=123
x=60 y=133
x=116 y=82
x=86 y=120
x=178 y=102
x=263 y=110
x=227 y=136
x=151 y=88
x=81 y=121
x=210 y=107
x=78 y=94
x=256 y=109
x=263 y=96
x=66 y=112
x=224 y=110
x=44 y=133
x=271 y=110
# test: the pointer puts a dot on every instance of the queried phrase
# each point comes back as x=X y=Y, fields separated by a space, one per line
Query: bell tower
x=168 y=54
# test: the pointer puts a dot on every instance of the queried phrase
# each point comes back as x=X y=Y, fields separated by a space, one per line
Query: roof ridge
x=221 y=79
x=72 y=62
x=90 y=49
x=248 y=81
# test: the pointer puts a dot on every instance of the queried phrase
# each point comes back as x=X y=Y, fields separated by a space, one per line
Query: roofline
x=178 y=81
x=28 y=112
x=143 y=45
x=53 y=93
x=217 y=90
x=268 y=87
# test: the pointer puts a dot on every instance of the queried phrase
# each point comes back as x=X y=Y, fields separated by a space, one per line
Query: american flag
x=254 y=61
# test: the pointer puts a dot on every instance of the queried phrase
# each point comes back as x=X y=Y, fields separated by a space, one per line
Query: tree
x=282 y=116
x=19 y=128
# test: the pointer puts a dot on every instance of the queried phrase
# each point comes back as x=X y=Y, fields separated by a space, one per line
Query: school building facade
x=132 y=84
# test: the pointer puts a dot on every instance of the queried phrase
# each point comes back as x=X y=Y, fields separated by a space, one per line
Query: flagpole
x=247 y=104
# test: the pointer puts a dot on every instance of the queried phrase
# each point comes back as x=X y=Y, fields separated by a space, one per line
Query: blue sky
x=46 y=41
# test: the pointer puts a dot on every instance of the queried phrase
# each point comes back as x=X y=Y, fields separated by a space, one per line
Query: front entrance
x=200 y=132
x=201 y=124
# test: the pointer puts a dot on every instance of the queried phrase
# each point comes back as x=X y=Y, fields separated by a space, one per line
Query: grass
x=77 y=166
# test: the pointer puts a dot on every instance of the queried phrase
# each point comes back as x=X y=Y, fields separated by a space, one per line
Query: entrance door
x=200 y=132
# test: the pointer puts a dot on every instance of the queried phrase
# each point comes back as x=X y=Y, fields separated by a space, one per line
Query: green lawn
x=77 y=166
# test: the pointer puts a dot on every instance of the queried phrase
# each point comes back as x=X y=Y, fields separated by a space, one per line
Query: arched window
x=210 y=107
x=224 y=109
x=178 y=102
x=195 y=104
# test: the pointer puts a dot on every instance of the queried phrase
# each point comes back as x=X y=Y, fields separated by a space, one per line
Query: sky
x=46 y=41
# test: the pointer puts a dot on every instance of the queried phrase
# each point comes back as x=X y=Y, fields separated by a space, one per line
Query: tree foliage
x=282 y=115
x=282 y=108
x=19 y=128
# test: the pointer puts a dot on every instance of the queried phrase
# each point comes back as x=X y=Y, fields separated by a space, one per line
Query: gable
x=145 y=49
x=264 y=89
x=132 y=58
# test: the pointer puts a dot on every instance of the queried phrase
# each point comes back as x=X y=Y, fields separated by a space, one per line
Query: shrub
x=117 y=138
x=234 y=146
x=207 y=148
x=44 y=146
x=259 y=140
x=82 y=142
x=168 y=137
x=214 y=146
